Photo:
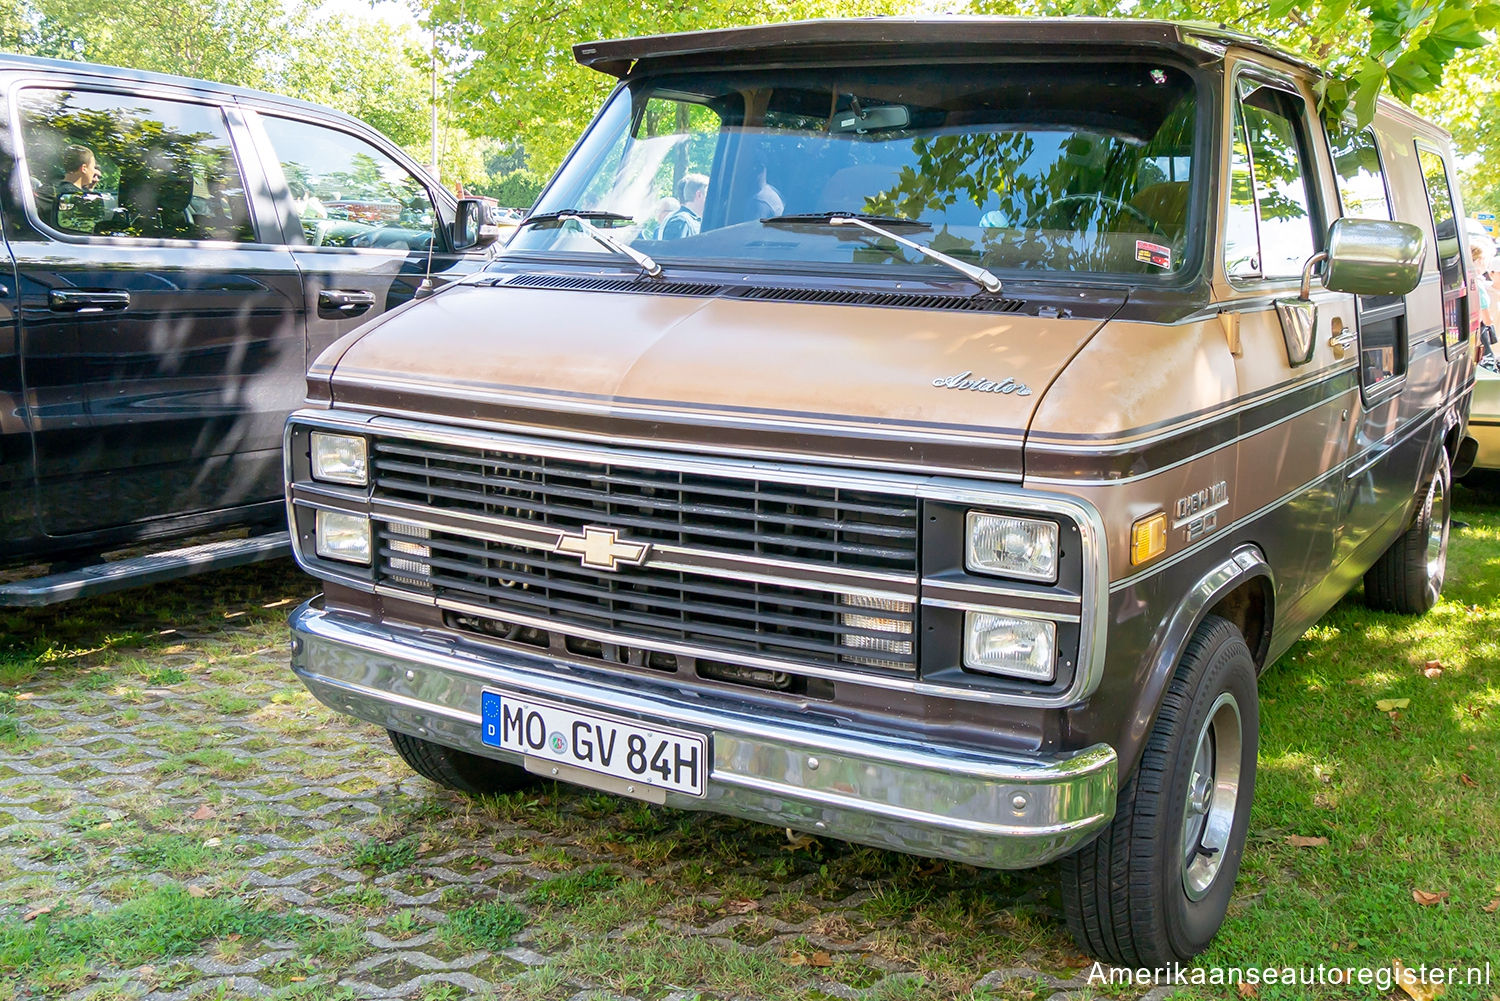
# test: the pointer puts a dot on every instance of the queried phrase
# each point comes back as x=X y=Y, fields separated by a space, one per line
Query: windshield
x=1056 y=167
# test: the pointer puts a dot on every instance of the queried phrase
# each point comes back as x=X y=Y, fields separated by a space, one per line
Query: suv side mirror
x=469 y=229
x=1373 y=257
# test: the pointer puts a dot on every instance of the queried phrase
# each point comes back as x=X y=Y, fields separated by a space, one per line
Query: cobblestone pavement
x=179 y=819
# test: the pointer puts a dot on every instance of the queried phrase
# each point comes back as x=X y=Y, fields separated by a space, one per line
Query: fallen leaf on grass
x=1492 y=906
x=1300 y=841
x=1247 y=990
x=1386 y=705
x=1429 y=899
x=1414 y=988
x=36 y=912
x=204 y=812
x=1468 y=781
x=795 y=841
x=740 y=906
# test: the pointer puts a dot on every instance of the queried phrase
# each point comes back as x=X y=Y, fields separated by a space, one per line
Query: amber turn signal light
x=1148 y=538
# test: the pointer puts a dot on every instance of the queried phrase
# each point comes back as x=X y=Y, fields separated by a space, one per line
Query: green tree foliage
x=520 y=79
x=229 y=42
x=1370 y=46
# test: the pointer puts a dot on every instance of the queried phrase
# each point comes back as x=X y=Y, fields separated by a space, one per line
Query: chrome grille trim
x=917 y=482
x=643 y=602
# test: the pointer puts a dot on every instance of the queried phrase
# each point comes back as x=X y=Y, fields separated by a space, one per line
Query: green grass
x=161 y=924
x=491 y=924
x=1408 y=800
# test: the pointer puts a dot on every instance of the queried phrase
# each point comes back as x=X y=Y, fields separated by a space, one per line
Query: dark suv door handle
x=78 y=301
x=345 y=302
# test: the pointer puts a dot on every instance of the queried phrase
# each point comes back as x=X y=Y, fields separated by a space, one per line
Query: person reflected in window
x=80 y=171
x=688 y=219
x=659 y=216
x=768 y=201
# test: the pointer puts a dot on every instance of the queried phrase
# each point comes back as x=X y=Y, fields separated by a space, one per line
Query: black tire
x=458 y=770
x=1126 y=894
x=1408 y=577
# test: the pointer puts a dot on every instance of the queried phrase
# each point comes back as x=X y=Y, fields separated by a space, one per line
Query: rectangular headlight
x=1011 y=645
x=343 y=536
x=340 y=458
x=1011 y=547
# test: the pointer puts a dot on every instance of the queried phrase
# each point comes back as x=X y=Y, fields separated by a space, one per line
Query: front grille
x=719 y=514
x=709 y=515
x=798 y=624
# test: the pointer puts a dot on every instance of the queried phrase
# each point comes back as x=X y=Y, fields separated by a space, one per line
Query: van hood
x=937 y=388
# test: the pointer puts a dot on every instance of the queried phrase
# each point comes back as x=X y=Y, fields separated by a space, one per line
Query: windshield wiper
x=974 y=272
x=559 y=216
x=826 y=218
x=600 y=236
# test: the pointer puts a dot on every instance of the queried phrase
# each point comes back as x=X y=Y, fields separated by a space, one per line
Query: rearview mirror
x=878 y=119
x=1374 y=257
x=469 y=230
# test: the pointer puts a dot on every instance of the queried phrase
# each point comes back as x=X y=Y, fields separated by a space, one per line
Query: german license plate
x=596 y=742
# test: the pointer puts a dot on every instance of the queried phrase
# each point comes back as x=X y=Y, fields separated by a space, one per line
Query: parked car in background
x=1484 y=420
x=998 y=399
x=175 y=252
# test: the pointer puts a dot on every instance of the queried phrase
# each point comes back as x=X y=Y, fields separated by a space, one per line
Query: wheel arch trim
x=1247 y=564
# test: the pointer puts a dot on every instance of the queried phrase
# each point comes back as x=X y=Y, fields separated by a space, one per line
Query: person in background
x=659 y=216
x=688 y=219
x=768 y=202
x=80 y=170
x=1489 y=305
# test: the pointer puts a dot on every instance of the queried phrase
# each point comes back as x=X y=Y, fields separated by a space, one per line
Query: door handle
x=79 y=301
x=344 y=302
x=1341 y=343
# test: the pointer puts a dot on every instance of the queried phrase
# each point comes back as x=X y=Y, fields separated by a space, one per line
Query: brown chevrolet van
x=920 y=433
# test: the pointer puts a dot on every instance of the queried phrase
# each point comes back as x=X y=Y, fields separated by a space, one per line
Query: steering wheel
x=1100 y=200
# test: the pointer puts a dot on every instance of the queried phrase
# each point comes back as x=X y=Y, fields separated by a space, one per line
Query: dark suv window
x=347 y=193
x=120 y=165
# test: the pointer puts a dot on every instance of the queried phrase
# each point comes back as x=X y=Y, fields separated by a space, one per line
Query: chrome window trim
x=919 y=486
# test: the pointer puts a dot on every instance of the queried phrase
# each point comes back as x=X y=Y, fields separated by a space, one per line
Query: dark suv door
x=365 y=228
x=162 y=341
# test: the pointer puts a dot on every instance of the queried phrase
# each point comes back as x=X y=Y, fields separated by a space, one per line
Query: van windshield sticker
x=1153 y=253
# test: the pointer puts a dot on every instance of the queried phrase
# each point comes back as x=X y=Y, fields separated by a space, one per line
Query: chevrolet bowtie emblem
x=601 y=549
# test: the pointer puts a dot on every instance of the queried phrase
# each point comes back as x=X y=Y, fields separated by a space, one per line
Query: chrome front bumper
x=998 y=810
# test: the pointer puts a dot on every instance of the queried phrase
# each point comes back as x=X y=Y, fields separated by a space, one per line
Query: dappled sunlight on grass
x=1381 y=733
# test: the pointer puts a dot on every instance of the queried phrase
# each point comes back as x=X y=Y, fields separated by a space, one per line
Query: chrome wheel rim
x=1437 y=537
x=1213 y=793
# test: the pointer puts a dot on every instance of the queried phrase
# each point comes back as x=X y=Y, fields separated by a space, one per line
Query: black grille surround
x=737 y=565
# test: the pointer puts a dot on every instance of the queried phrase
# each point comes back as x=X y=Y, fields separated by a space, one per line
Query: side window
x=1271 y=224
x=1449 y=251
x=348 y=193
x=120 y=165
x=1356 y=161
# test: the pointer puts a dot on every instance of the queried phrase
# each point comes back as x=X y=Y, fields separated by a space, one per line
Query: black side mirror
x=469 y=229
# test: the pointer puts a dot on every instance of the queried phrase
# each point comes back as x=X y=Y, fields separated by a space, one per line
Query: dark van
x=174 y=253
